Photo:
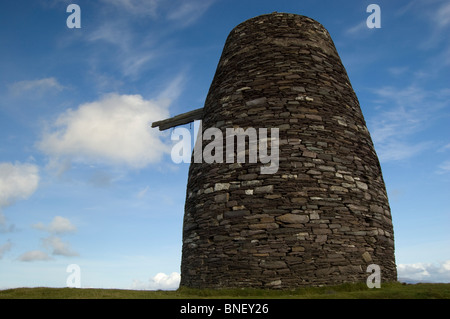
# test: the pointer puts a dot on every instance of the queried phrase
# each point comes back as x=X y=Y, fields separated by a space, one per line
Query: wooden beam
x=179 y=119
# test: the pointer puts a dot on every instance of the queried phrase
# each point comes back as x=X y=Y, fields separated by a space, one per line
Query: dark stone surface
x=324 y=216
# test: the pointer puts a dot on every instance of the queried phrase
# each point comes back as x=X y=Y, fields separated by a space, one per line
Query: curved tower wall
x=324 y=216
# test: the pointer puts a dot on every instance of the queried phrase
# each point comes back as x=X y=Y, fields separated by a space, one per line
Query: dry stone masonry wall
x=324 y=216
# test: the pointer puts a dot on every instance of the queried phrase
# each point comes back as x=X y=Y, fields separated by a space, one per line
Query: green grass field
x=345 y=291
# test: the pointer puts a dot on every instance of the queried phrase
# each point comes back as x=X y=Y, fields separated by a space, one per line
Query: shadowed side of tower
x=324 y=216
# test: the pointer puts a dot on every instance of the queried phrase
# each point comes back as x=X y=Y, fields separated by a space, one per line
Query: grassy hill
x=345 y=291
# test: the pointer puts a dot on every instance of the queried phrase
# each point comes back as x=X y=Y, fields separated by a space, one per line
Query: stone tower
x=324 y=216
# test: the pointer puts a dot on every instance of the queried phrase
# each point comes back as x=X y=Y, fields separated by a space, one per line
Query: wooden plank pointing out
x=179 y=119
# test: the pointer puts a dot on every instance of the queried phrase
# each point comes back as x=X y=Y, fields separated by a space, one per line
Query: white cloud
x=159 y=281
x=424 y=272
x=59 y=225
x=17 y=182
x=36 y=86
x=114 y=130
x=34 y=255
x=59 y=247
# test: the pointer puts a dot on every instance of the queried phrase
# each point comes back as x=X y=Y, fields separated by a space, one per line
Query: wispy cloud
x=182 y=12
x=444 y=168
x=439 y=20
x=113 y=33
x=136 y=7
x=397 y=150
x=444 y=148
x=407 y=113
x=437 y=16
x=39 y=86
x=133 y=66
x=173 y=89
x=129 y=54
x=442 y=15
x=187 y=12
x=398 y=70
x=357 y=29
x=118 y=42
x=404 y=112
x=141 y=194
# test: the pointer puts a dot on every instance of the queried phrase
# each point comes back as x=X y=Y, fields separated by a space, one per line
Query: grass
x=345 y=291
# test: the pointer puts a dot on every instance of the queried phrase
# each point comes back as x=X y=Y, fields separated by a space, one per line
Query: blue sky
x=84 y=180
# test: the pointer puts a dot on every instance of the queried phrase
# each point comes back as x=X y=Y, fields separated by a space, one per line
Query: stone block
x=367 y=258
x=221 y=198
x=263 y=189
x=293 y=218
